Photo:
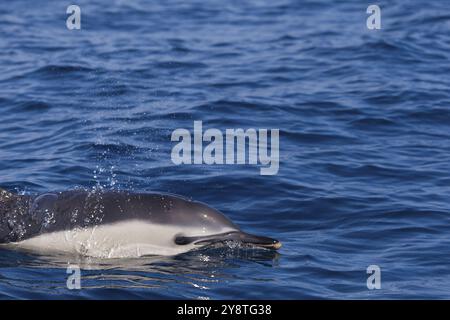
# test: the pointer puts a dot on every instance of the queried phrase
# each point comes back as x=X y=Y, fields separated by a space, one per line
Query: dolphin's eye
x=182 y=240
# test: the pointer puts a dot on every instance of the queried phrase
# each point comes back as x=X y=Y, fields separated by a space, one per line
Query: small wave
x=110 y=148
x=170 y=65
x=57 y=70
x=33 y=106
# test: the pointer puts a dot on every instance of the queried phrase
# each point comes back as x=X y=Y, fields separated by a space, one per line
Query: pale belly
x=121 y=240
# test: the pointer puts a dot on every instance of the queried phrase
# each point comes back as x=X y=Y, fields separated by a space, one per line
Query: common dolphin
x=115 y=224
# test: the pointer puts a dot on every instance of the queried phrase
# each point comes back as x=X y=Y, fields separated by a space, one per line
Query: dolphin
x=116 y=224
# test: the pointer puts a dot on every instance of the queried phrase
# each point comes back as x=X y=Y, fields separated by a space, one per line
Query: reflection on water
x=200 y=270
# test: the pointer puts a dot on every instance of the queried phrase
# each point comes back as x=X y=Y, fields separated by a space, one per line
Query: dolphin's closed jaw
x=239 y=236
x=259 y=241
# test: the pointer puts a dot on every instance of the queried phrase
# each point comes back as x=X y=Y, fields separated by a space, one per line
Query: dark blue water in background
x=364 y=125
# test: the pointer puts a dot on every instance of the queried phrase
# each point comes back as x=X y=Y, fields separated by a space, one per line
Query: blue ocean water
x=364 y=125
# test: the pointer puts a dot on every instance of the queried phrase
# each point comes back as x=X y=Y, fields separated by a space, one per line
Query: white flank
x=121 y=240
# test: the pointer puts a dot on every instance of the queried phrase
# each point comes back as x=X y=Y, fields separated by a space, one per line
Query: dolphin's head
x=211 y=227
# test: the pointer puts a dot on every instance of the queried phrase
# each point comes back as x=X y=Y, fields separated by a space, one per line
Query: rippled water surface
x=364 y=125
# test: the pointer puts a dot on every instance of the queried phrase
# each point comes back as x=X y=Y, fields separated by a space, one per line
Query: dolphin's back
x=82 y=209
x=66 y=210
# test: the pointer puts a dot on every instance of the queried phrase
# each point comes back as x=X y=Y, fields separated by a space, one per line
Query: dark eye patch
x=182 y=240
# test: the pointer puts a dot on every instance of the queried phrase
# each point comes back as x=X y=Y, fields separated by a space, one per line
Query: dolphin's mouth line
x=234 y=236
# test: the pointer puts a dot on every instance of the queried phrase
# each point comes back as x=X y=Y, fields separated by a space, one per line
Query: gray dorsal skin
x=14 y=216
x=52 y=212
x=24 y=217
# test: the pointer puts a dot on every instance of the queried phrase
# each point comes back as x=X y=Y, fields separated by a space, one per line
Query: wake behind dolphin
x=114 y=224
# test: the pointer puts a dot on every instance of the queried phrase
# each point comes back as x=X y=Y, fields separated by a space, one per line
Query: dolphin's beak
x=239 y=236
x=258 y=241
